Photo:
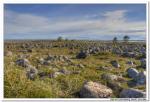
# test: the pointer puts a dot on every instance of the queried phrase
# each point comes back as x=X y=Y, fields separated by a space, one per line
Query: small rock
x=80 y=65
x=130 y=63
x=55 y=74
x=41 y=61
x=64 y=71
x=115 y=64
x=107 y=77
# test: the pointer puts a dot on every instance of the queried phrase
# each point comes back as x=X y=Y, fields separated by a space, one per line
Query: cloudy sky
x=74 y=21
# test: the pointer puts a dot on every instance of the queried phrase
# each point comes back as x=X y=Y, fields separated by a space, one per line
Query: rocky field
x=74 y=69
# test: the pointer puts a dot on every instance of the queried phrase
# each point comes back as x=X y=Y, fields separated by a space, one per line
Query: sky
x=75 y=21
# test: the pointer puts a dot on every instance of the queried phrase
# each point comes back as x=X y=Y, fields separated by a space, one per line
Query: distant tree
x=59 y=38
x=126 y=38
x=115 y=40
x=66 y=39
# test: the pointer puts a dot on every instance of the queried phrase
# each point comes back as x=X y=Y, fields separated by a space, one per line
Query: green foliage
x=59 y=38
x=126 y=38
x=16 y=85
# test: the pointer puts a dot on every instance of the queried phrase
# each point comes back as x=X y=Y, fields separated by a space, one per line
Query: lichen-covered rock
x=95 y=90
x=132 y=93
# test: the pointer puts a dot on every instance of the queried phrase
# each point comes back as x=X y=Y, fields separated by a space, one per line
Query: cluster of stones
x=32 y=71
x=54 y=58
x=139 y=78
x=128 y=50
x=92 y=89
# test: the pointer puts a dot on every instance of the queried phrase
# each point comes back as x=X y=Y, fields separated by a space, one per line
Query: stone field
x=74 y=69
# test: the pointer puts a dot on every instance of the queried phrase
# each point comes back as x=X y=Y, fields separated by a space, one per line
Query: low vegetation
x=76 y=71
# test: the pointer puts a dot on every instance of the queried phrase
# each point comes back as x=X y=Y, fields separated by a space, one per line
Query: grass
x=16 y=85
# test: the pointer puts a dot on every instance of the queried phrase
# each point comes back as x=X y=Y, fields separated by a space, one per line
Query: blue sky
x=74 y=21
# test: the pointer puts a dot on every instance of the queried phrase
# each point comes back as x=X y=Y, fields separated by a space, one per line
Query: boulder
x=95 y=90
x=115 y=64
x=143 y=63
x=82 y=55
x=132 y=72
x=32 y=73
x=23 y=62
x=107 y=77
x=141 y=78
x=114 y=86
x=132 y=93
x=8 y=53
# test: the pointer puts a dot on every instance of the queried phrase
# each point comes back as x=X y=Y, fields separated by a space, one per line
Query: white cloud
x=111 y=22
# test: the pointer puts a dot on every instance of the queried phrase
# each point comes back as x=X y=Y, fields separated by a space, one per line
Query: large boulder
x=132 y=72
x=95 y=90
x=132 y=93
x=23 y=62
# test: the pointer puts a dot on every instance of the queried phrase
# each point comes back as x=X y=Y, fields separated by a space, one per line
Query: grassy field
x=17 y=85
